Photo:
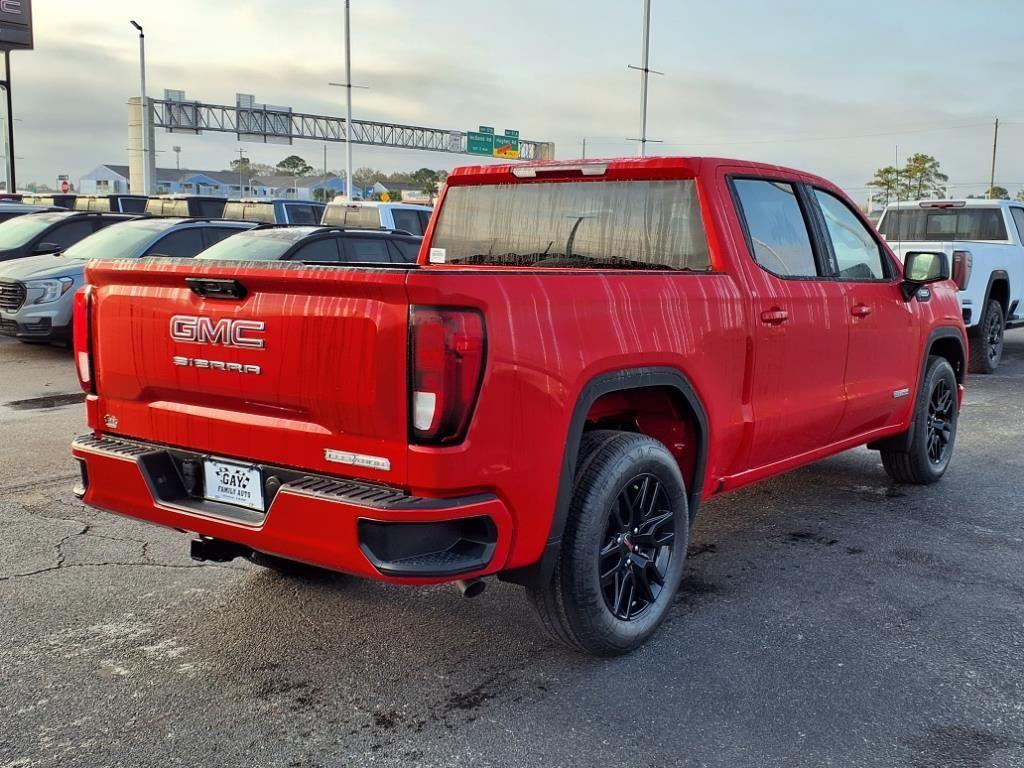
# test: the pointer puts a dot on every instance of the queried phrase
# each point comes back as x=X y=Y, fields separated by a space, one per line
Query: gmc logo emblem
x=226 y=332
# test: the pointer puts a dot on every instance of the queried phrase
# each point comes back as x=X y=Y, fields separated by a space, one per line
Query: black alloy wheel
x=994 y=338
x=638 y=543
x=941 y=406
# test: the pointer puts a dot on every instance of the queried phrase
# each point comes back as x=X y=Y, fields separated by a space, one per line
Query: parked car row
x=360 y=214
x=43 y=253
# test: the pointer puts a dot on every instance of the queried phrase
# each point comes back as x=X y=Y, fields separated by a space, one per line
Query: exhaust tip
x=471 y=588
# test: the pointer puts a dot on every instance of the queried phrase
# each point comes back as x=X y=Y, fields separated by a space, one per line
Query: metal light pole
x=348 y=103
x=144 y=107
x=177 y=157
x=995 y=144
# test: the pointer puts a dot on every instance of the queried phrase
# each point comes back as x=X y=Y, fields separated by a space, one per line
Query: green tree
x=244 y=166
x=890 y=185
x=998 y=193
x=427 y=179
x=293 y=165
x=923 y=177
x=1020 y=195
x=367 y=177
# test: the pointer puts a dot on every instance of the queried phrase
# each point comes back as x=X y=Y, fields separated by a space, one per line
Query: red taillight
x=962 y=263
x=447 y=358
x=81 y=322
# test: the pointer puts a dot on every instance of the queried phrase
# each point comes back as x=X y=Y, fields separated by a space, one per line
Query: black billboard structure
x=15 y=35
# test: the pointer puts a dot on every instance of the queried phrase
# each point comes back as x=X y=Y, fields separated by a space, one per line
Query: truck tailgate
x=306 y=370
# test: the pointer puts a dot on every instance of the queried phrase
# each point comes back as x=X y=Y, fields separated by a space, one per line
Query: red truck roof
x=616 y=168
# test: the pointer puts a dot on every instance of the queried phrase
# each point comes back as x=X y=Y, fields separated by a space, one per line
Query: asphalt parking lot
x=828 y=618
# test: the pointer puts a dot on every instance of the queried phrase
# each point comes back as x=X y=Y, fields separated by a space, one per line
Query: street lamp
x=143 y=107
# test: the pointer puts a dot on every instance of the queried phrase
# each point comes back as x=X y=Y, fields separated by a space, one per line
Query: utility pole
x=241 y=189
x=645 y=70
x=12 y=184
x=145 y=109
x=348 y=103
x=992 y=175
x=584 y=147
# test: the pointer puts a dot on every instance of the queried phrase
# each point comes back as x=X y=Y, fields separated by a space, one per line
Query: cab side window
x=777 y=228
x=324 y=249
x=858 y=255
x=182 y=244
x=70 y=233
x=1018 y=219
x=366 y=249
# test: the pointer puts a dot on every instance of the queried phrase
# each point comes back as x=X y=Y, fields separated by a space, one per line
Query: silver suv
x=36 y=292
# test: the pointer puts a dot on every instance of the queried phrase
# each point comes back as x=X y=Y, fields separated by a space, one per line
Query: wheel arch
x=602 y=385
x=998 y=288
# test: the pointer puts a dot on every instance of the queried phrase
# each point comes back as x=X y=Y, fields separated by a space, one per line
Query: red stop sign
x=64 y=186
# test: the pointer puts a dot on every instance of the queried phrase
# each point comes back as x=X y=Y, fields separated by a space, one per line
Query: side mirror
x=921 y=268
x=43 y=248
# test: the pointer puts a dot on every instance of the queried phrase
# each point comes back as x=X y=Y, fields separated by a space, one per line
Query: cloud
x=794 y=84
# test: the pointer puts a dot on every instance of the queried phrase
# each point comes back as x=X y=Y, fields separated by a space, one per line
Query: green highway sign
x=506 y=147
x=479 y=143
x=484 y=142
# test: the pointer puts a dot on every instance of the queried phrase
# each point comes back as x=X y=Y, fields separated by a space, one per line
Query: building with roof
x=112 y=179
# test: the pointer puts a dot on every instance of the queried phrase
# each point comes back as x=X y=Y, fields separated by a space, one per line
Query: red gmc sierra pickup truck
x=583 y=353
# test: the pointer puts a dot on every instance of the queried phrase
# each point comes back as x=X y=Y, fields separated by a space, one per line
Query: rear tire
x=986 y=340
x=933 y=429
x=623 y=549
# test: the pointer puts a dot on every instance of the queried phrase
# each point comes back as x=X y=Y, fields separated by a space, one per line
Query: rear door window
x=408 y=221
x=366 y=249
x=302 y=214
x=210 y=208
x=182 y=244
x=776 y=226
x=324 y=249
x=404 y=251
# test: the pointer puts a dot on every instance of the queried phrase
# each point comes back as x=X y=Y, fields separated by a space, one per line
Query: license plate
x=233 y=484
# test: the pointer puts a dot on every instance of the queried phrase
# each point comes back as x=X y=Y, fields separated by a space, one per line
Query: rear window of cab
x=591 y=224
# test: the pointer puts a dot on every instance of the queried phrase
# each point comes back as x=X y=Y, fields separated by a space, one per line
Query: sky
x=833 y=87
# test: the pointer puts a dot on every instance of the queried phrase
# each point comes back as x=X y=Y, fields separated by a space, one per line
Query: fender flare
x=996 y=276
x=603 y=384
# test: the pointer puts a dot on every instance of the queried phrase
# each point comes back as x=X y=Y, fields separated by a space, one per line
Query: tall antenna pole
x=645 y=70
x=348 y=104
x=643 y=77
x=992 y=175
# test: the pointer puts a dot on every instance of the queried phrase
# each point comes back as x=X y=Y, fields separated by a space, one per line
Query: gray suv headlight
x=51 y=289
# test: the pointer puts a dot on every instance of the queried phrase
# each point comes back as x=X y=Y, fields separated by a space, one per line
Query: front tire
x=624 y=546
x=933 y=429
x=986 y=341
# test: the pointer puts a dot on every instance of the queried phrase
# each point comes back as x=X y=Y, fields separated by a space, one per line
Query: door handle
x=860 y=310
x=774 y=316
